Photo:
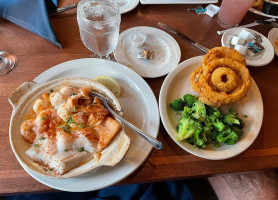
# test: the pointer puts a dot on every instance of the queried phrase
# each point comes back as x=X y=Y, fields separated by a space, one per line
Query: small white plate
x=177 y=84
x=166 y=52
x=135 y=91
x=272 y=37
x=127 y=5
x=258 y=12
x=177 y=1
x=263 y=58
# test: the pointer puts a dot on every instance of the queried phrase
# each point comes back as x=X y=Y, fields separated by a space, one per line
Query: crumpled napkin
x=32 y=15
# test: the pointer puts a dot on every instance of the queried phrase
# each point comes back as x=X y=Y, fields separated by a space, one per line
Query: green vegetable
x=190 y=99
x=177 y=104
x=201 y=124
x=199 y=111
x=187 y=127
x=80 y=149
x=231 y=117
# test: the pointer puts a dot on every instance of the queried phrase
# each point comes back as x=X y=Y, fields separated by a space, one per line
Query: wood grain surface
x=35 y=55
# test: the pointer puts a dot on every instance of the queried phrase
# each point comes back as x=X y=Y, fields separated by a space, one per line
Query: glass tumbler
x=232 y=11
x=99 y=22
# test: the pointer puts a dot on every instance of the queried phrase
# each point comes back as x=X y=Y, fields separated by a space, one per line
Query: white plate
x=258 y=12
x=135 y=91
x=127 y=5
x=166 y=52
x=177 y=1
x=272 y=37
x=263 y=58
x=177 y=83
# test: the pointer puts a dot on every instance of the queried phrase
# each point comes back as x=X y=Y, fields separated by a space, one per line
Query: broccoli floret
x=237 y=130
x=177 y=104
x=213 y=111
x=216 y=122
x=199 y=111
x=199 y=139
x=187 y=127
x=228 y=137
x=187 y=111
x=190 y=99
x=231 y=117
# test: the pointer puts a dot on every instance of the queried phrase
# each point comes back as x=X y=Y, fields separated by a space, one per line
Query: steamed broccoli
x=187 y=127
x=216 y=122
x=177 y=104
x=228 y=136
x=190 y=99
x=231 y=117
x=199 y=111
x=202 y=124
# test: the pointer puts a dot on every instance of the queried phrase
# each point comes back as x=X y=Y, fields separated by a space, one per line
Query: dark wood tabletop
x=35 y=55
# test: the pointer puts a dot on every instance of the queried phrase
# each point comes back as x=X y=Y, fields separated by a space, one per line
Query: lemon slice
x=110 y=83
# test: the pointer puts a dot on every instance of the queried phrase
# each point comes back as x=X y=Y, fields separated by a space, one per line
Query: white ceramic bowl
x=22 y=100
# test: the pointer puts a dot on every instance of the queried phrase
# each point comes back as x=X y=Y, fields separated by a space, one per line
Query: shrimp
x=27 y=130
x=57 y=99
x=67 y=91
x=47 y=120
x=40 y=105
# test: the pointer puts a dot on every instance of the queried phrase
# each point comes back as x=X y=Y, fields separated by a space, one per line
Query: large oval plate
x=135 y=91
x=177 y=83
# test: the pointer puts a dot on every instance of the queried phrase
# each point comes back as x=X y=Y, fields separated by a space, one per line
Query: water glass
x=99 y=22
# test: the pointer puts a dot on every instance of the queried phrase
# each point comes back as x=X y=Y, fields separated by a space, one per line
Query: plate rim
x=271 y=53
x=177 y=2
x=175 y=43
x=126 y=9
x=258 y=12
x=273 y=44
x=163 y=109
x=147 y=150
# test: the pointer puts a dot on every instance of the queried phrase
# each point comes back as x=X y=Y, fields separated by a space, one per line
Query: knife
x=255 y=23
x=62 y=9
x=183 y=37
x=272 y=24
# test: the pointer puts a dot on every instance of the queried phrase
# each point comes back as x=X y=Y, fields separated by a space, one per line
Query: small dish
x=273 y=37
x=165 y=48
x=127 y=5
x=262 y=59
x=177 y=84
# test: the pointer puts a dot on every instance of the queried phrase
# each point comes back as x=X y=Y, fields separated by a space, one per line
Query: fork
x=147 y=137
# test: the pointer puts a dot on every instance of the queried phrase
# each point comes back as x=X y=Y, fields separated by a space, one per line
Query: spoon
x=146 y=136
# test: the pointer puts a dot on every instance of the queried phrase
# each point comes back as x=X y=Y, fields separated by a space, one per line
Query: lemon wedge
x=110 y=83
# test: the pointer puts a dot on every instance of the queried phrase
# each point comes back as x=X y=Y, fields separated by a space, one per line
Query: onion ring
x=218 y=97
x=224 y=79
x=222 y=52
x=194 y=78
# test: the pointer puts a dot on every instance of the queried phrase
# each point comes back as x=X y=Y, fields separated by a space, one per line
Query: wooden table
x=35 y=55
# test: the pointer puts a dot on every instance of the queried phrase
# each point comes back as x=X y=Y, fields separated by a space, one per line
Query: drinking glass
x=232 y=11
x=99 y=22
x=7 y=62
